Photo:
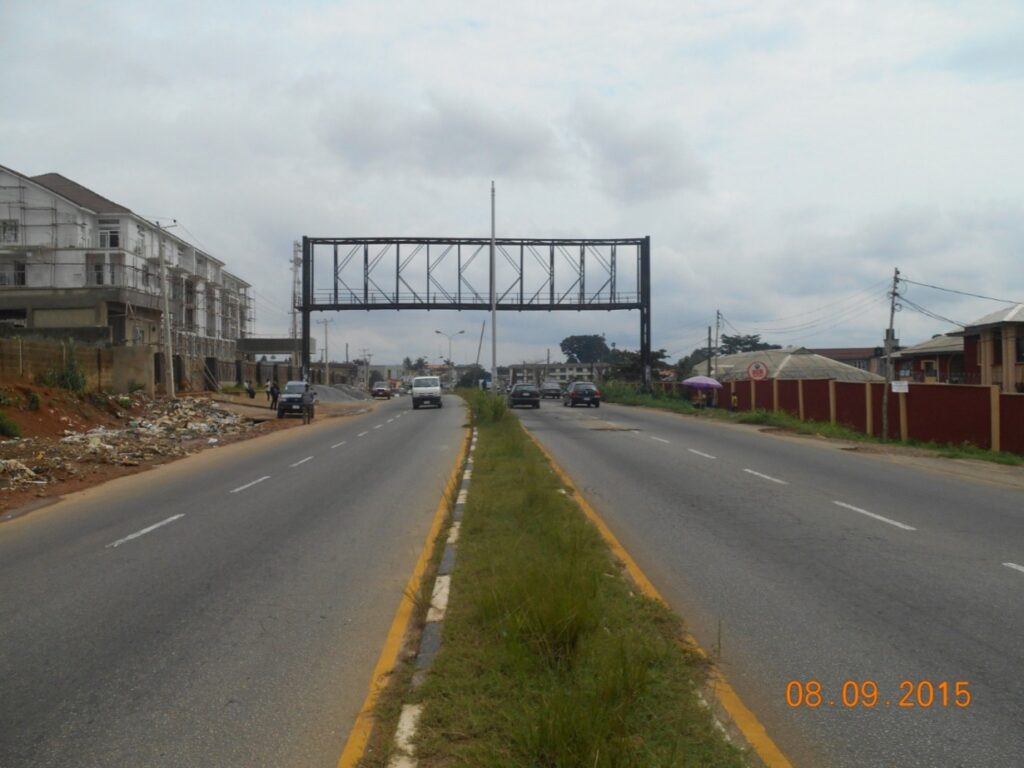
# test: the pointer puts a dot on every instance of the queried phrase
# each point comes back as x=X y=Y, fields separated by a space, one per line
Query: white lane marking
x=144 y=531
x=439 y=600
x=767 y=477
x=362 y=433
x=1008 y=565
x=250 y=485
x=701 y=453
x=390 y=420
x=453 y=532
x=467 y=475
x=463 y=493
x=302 y=462
x=660 y=439
x=852 y=508
x=405 y=733
x=378 y=426
x=338 y=445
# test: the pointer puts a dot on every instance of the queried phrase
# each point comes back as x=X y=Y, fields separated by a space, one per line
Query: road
x=223 y=610
x=803 y=562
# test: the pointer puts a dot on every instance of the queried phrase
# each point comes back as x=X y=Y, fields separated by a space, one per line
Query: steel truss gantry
x=395 y=273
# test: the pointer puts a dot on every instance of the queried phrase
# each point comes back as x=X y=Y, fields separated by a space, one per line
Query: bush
x=7 y=426
x=33 y=401
x=69 y=377
x=486 y=407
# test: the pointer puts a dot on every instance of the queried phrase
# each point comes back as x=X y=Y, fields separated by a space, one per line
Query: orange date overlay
x=865 y=694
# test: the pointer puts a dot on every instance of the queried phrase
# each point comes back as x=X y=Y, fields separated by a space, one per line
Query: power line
x=962 y=293
x=903 y=300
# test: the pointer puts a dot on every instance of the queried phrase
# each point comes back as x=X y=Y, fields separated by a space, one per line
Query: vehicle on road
x=382 y=389
x=582 y=392
x=551 y=389
x=524 y=394
x=290 y=401
x=426 y=390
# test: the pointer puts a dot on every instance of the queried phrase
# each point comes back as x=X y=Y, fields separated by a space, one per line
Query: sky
x=784 y=157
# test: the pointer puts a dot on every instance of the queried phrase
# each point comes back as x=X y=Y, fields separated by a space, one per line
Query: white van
x=426 y=389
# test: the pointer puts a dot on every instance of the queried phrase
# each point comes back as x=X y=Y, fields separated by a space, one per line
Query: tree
x=407 y=364
x=420 y=365
x=471 y=376
x=626 y=364
x=589 y=348
x=731 y=345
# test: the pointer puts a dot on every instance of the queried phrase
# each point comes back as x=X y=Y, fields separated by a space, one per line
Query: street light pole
x=327 y=361
x=451 y=363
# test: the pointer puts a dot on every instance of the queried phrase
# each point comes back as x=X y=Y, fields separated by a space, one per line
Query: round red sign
x=757 y=370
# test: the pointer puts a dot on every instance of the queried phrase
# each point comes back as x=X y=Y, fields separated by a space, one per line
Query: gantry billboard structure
x=531 y=275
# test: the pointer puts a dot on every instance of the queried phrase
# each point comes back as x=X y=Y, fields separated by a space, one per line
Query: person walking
x=266 y=388
x=275 y=392
x=307 y=405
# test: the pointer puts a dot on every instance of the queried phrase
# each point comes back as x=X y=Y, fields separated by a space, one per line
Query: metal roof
x=78 y=194
x=793 y=363
x=942 y=343
x=1011 y=314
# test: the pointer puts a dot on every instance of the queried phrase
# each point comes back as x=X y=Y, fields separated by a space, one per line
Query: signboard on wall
x=757 y=370
x=901 y=386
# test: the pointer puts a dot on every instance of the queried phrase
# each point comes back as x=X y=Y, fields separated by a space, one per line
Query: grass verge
x=623 y=394
x=549 y=657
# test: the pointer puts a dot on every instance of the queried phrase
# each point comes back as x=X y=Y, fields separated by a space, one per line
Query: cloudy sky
x=784 y=157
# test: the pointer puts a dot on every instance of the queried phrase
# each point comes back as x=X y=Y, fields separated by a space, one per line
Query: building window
x=8 y=231
x=1020 y=348
x=94 y=268
x=110 y=233
x=13 y=273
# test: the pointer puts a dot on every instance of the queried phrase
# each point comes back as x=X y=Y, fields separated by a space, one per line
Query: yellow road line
x=745 y=720
x=361 y=729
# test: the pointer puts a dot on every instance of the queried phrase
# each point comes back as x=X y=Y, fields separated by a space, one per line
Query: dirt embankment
x=71 y=441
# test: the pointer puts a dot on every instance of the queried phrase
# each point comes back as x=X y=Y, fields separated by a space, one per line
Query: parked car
x=551 y=389
x=582 y=392
x=290 y=400
x=524 y=394
x=426 y=389
x=381 y=389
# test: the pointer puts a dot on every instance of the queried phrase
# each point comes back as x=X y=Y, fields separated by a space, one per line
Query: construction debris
x=167 y=429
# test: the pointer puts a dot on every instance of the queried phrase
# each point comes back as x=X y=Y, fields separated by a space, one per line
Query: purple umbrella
x=701 y=382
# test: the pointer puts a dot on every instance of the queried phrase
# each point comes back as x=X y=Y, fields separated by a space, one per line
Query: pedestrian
x=735 y=402
x=266 y=388
x=275 y=392
x=249 y=390
x=307 y=405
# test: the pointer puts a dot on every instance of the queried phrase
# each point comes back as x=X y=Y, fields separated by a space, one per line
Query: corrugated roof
x=942 y=343
x=849 y=353
x=797 y=363
x=1011 y=314
x=76 y=193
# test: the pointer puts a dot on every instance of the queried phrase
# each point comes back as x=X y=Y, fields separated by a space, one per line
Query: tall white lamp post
x=450 y=336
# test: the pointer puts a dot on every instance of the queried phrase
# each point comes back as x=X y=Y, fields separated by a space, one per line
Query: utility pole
x=327 y=361
x=889 y=343
x=296 y=263
x=709 y=350
x=366 y=362
x=168 y=350
x=494 y=307
x=718 y=321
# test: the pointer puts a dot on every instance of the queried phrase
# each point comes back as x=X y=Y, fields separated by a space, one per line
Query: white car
x=426 y=389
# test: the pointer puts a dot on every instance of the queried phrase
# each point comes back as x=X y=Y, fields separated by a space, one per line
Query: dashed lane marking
x=303 y=461
x=896 y=523
x=250 y=485
x=766 y=477
x=701 y=453
x=660 y=439
x=1015 y=567
x=361 y=434
x=144 y=531
x=338 y=445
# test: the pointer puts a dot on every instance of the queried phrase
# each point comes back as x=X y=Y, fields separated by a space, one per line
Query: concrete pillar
x=904 y=424
x=832 y=401
x=800 y=397
x=870 y=416
x=1009 y=358
x=994 y=417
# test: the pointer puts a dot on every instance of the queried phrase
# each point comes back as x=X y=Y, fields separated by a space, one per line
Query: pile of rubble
x=168 y=429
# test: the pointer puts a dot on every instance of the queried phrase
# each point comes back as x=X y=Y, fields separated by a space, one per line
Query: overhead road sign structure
x=531 y=274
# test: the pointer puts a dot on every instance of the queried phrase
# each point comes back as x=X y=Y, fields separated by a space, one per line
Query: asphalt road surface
x=224 y=610
x=804 y=562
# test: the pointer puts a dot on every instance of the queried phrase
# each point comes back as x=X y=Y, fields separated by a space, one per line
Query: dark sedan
x=524 y=394
x=582 y=393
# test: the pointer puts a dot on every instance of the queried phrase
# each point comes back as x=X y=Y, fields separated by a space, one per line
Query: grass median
x=550 y=657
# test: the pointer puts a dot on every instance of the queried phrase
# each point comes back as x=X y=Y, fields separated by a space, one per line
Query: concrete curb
x=404 y=755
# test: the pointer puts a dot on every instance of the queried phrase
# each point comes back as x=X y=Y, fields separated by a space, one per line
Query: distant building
x=73 y=263
x=994 y=348
x=870 y=359
x=563 y=373
x=939 y=360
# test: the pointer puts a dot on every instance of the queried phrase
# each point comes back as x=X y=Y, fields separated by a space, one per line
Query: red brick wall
x=851 y=410
x=816 y=400
x=1011 y=423
x=789 y=396
x=949 y=413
